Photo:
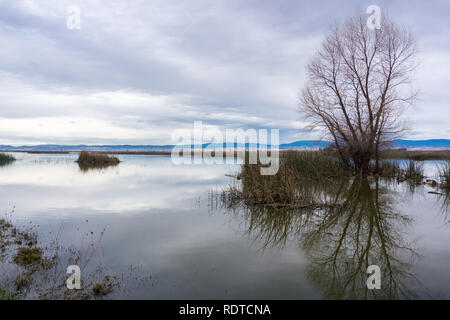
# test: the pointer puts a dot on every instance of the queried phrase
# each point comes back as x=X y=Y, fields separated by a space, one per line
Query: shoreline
x=419 y=155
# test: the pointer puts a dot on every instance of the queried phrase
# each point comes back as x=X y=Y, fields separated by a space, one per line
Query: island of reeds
x=304 y=177
x=6 y=159
x=96 y=160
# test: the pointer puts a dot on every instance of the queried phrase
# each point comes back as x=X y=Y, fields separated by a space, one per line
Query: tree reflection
x=359 y=228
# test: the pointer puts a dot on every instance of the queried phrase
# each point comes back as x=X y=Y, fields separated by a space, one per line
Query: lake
x=168 y=221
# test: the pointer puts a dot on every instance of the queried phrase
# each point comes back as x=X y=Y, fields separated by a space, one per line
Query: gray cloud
x=136 y=71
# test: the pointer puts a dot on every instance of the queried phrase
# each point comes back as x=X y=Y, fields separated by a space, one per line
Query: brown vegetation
x=417 y=155
x=304 y=176
x=96 y=160
x=39 y=272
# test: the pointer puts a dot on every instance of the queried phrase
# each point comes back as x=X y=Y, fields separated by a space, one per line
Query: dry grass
x=285 y=189
x=416 y=155
x=96 y=160
x=290 y=187
x=26 y=256
x=39 y=272
x=47 y=152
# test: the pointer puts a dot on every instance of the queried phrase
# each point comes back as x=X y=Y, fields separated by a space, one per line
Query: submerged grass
x=39 y=272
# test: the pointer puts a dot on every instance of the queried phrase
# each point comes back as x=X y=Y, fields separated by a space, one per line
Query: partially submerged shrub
x=88 y=160
x=26 y=256
x=23 y=282
x=103 y=288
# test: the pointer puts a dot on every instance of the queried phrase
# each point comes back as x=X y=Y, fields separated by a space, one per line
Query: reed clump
x=409 y=170
x=26 y=256
x=293 y=184
x=444 y=176
x=413 y=171
x=315 y=164
x=285 y=188
x=6 y=159
x=88 y=159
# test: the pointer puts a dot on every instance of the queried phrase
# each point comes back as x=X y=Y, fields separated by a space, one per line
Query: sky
x=135 y=71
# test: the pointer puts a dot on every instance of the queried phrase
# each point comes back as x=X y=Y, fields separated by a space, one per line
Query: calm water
x=163 y=219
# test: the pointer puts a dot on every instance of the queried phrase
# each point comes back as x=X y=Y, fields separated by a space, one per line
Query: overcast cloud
x=137 y=70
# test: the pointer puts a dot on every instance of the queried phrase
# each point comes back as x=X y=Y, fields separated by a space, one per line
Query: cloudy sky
x=137 y=70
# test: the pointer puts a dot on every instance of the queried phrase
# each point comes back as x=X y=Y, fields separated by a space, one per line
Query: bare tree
x=358 y=87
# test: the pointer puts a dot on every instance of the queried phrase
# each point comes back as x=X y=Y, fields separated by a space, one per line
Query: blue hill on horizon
x=401 y=143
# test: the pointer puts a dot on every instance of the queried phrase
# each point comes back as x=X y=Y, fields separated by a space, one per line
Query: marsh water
x=169 y=221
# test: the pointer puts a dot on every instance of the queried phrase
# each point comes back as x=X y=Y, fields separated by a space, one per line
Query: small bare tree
x=357 y=88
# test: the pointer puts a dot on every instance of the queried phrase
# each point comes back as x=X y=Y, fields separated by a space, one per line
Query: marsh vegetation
x=297 y=169
x=96 y=160
x=32 y=269
x=6 y=159
x=311 y=241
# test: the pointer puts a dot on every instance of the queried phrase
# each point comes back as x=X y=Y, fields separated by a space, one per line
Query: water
x=163 y=218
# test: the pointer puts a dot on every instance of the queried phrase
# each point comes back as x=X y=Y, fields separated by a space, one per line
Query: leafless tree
x=358 y=87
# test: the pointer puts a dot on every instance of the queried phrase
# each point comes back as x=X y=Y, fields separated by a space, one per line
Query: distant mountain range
x=303 y=144
x=409 y=144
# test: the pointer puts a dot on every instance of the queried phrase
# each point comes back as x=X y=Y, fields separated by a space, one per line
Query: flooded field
x=168 y=223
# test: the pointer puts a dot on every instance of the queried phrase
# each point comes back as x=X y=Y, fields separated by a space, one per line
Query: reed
x=6 y=159
x=294 y=183
x=444 y=176
x=96 y=158
x=285 y=188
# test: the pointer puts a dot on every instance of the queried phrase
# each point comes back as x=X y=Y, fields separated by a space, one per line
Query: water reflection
x=158 y=216
x=95 y=167
x=361 y=227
